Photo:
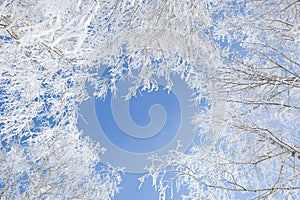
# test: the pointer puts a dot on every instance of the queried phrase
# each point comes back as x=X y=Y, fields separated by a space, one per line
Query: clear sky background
x=147 y=124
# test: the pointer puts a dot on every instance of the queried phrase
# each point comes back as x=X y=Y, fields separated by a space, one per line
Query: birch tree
x=256 y=151
x=42 y=153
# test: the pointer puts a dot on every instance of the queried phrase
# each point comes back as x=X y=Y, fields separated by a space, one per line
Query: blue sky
x=132 y=131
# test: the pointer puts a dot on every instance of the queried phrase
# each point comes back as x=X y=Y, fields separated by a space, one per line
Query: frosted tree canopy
x=241 y=57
